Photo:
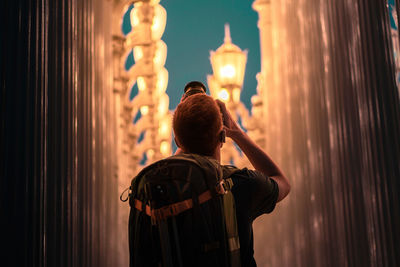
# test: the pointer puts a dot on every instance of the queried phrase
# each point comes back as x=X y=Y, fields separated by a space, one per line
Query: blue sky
x=196 y=27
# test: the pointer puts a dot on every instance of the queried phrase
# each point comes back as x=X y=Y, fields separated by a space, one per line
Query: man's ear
x=177 y=143
x=222 y=136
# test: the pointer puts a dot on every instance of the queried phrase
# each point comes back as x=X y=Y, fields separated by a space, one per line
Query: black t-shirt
x=255 y=194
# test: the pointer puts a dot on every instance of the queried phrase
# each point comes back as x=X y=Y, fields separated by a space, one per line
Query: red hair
x=197 y=124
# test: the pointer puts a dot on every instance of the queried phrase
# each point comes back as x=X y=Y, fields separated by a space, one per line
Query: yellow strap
x=234 y=243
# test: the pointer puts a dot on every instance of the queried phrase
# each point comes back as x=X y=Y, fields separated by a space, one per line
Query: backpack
x=183 y=214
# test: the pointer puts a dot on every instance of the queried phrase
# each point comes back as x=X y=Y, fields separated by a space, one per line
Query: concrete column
x=265 y=77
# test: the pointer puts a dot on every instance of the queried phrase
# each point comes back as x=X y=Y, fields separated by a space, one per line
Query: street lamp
x=228 y=63
x=148 y=20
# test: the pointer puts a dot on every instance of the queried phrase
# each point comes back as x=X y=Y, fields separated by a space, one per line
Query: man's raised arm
x=257 y=157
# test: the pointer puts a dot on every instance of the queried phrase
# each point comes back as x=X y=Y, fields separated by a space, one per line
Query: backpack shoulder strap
x=210 y=167
x=229 y=170
x=230 y=216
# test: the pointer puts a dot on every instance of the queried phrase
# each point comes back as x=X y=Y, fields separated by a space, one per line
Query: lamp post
x=149 y=135
x=145 y=129
x=228 y=63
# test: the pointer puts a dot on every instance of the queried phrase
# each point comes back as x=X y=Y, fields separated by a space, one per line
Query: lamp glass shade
x=212 y=85
x=158 y=19
x=229 y=67
x=158 y=82
x=162 y=81
x=229 y=63
x=163 y=104
x=160 y=55
x=158 y=52
x=164 y=129
x=223 y=95
x=165 y=148
x=138 y=53
x=135 y=17
x=144 y=110
x=159 y=22
x=141 y=83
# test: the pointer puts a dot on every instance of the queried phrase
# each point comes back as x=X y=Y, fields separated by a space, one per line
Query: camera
x=194 y=87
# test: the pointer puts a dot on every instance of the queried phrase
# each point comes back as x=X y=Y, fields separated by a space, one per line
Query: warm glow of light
x=213 y=85
x=236 y=95
x=162 y=80
x=160 y=54
x=164 y=148
x=148 y=20
x=223 y=95
x=163 y=104
x=228 y=71
x=140 y=13
x=163 y=130
x=150 y=153
x=144 y=110
x=228 y=63
x=141 y=83
x=159 y=22
x=135 y=17
x=137 y=53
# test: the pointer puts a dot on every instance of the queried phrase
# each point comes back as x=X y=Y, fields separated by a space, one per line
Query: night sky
x=196 y=27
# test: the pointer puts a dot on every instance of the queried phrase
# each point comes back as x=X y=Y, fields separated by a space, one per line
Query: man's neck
x=216 y=155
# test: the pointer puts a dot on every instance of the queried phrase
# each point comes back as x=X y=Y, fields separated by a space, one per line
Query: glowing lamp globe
x=156 y=52
x=154 y=16
x=228 y=63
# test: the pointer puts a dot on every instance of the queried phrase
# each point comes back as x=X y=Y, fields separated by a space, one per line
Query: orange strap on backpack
x=179 y=207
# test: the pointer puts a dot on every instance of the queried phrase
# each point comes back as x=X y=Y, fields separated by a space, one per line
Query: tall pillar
x=58 y=187
x=265 y=76
x=332 y=116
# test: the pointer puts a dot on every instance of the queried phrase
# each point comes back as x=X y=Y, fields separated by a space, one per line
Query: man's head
x=197 y=125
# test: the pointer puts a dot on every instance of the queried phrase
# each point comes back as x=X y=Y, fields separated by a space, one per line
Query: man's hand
x=230 y=126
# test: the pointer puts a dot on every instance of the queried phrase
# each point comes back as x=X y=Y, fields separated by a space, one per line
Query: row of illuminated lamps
x=228 y=64
x=148 y=21
x=228 y=61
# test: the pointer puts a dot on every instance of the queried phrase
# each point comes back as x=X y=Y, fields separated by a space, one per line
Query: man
x=200 y=124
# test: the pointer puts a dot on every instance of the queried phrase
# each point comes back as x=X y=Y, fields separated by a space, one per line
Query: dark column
x=58 y=184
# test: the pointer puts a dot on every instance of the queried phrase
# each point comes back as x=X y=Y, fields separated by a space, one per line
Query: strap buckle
x=224 y=186
x=221 y=188
x=127 y=197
